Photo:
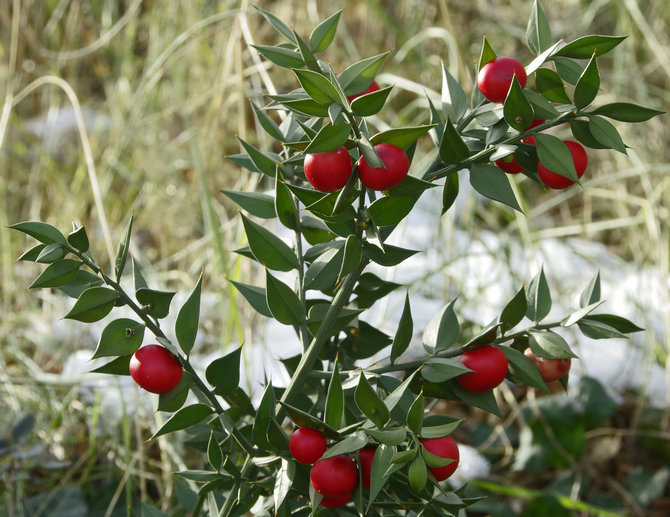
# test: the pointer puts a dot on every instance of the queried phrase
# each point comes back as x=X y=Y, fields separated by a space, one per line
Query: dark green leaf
x=452 y=147
x=617 y=322
x=485 y=401
x=517 y=111
x=123 y=249
x=538 y=33
x=285 y=205
x=582 y=132
x=371 y=288
x=260 y=205
x=94 y=304
x=364 y=340
x=369 y=153
x=401 y=137
x=586 y=46
x=415 y=415
x=592 y=292
x=598 y=330
x=315 y=231
x=184 y=418
x=440 y=369
x=580 y=314
x=186 y=325
x=358 y=77
x=387 y=210
x=307 y=107
x=279 y=25
x=370 y=103
x=269 y=249
x=78 y=239
x=567 y=69
x=351 y=443
x=175 y=399
x=332 y=413
x=393 y=436
x=539 y=298
x=302 y=419
x=43 y=232
x=214 y=454
x=555 y=156
x=389 y=256
x=417 y=473
x=626 y=112
x=284 y=304
x=34 y=252
x=606 y=133
x=57 y=274
x=322 y=273
x=443 y=329
x=266 y=411
x=434 y=461
x=438 y=431
x=549 y=344
x=522 y=370
x=268 y=124
x=454 y=98
x=588 y=85
x=318 y=87
x=550 y=84
x=491 y=182
x=322 y=36
x=154 y=303
x=318 y=312
x=514 y=311
x=487 y=54
x=255 y=296
x=450 y=192
x=119 y=366
x=81 y=281
x=307 y=54
x=380 y=464
x=403 y=335
x=120 y=337
x=542 y=108
x=283 y=482
x=51 y=253
x=329 y=138
x=351 y=260
x=263 y=162
x=370 y=403
x=224 y=373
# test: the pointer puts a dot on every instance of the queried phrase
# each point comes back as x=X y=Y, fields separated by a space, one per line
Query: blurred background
x=113 y=107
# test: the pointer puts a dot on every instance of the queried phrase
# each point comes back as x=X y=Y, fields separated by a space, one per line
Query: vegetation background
x=163 y=88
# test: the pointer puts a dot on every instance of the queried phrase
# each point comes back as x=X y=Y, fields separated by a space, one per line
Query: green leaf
x=365 y=341
x=57 y=274
x=94 y=304
x=417 y=473
x=329 y=138
x=579 y=314
x=592 y=292
x=545 y=506
x=454 y=98
x=401 y=137
x=617 y=322
x=434 y=461
x=265 y=412
x=283 y=482
x=358 y=77
x=370 y=403
x=82 y=280
x=485 y=401
x=380 y=464
x=34 y=252
x=538 y=33
x=224 y=373
x=415 y=415
x=403 y=335
x=517 y=110
x=452 y=147
x=256 y=297
x=175 y=399
x=284 y=304
x=442 y=330
x=567 y=69
x=306 y=106
x=487 y=54
x=389 y=256
x=596 y=329
x=322 y=36
x=351 y=260
x=440 y=369
x=549 y=344
x=514 y=311
x=302 y=419
x=263 y=162
x=51 y=253
x=78 y=239
x=387 y=211
x=119 y=366
x=307 y=54
x=269 y=125
x=279 y=25
x=351 y=443
x=120 y=337
x=214 y=454
x=317 y=314
x=588 y=85
x=586 y=46
x=269 y=249
x=318 y=87
x=260 y=205
x=539 y=298
x=123 y=249
x=154 y=303
x=322 y=273
x=449 y=192
x=43 y=232
x=370 y=103
x=392 y=436
x=332 y=413
x=550 y=85
x=186 y=325
x=556 y=156
x=605 y=133
x=626 y=112
x=582 y=132
x=438 y=431
x=522 y=370
x=138 y=278
x=285 y=205
x=491 y=182
x=184 y=418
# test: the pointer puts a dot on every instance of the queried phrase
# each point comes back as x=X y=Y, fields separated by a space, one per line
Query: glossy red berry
x=307 y=445
x=489 y=368
x=444 y=447
x=509 y=165
x=335 y=502
x=328 y=172
x=372 y=88
x=495 y=77
x=550 y=369
x=366 y=456
x=334 y=477
x=397 y=166
x=556 y=181
x=155 y=369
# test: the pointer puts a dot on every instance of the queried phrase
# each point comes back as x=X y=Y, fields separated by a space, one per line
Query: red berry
x=372 y=88
x=489 y=368
x=444 y=447
x=366 y=456
x=334 y=477
x=307 y=445
x=397 y=166
x=328 y=172
x=535 y=123
x=495 y=77
x=155 y=369
x=335 y=502
x=553 y=180
x=509 y=165
x=550 y=369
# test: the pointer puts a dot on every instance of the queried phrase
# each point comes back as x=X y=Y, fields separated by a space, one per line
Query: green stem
x=230 y=501
x=303 y=333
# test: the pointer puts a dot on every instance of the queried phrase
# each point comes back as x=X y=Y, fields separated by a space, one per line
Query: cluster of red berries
x=335 y=478
x=494 y=81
